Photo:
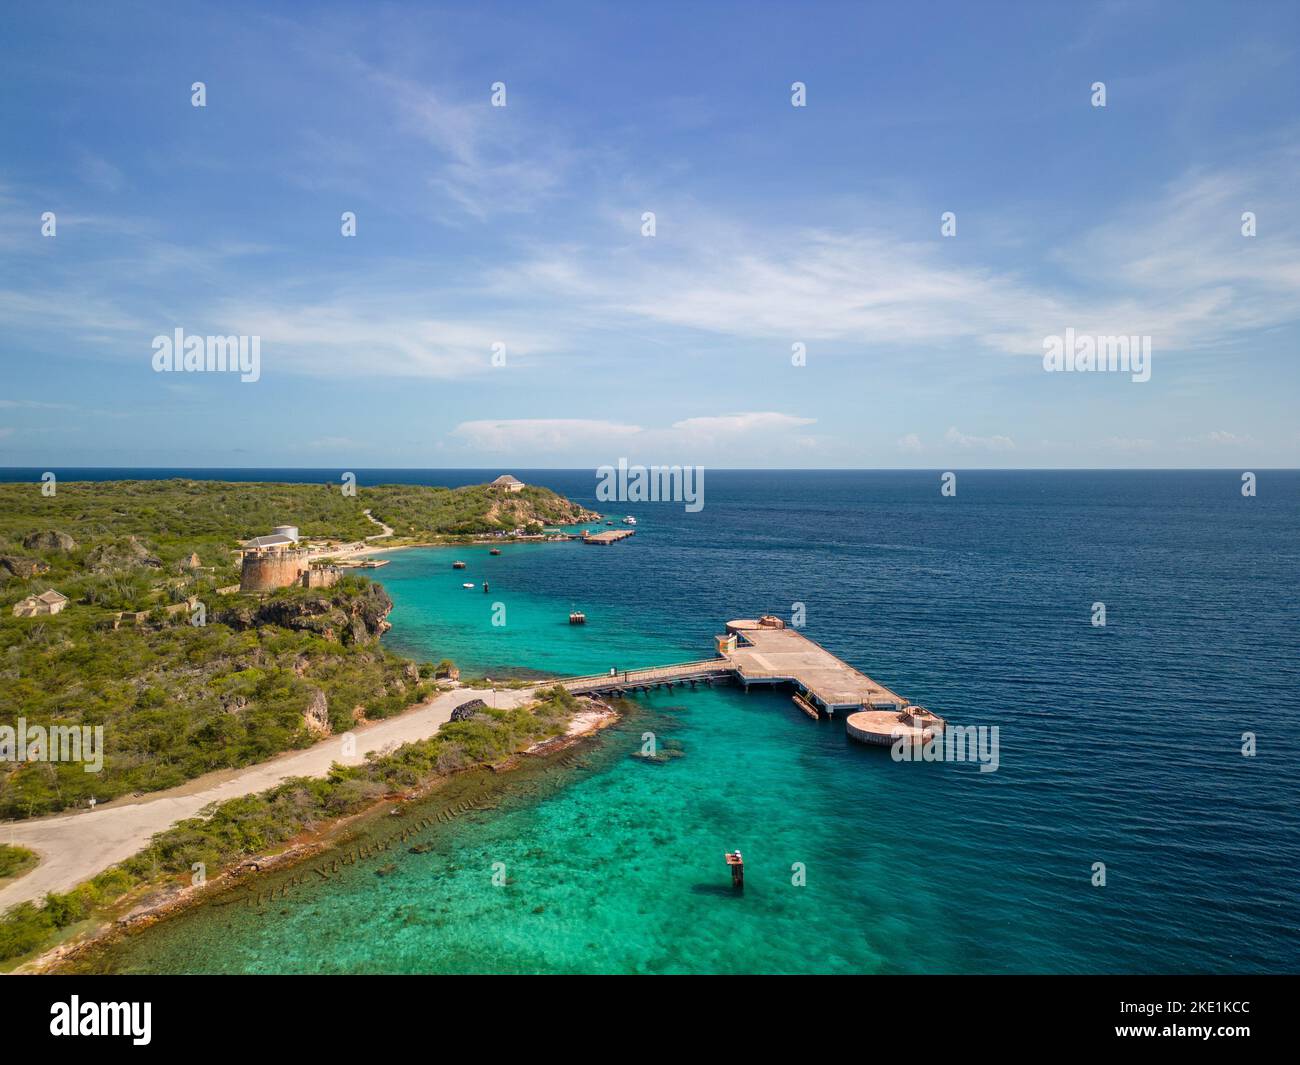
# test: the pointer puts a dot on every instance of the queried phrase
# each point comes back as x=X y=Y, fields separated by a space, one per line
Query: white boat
x=629 y=520
x=467 y=586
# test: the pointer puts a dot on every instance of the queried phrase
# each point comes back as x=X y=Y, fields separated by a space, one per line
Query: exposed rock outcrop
x=317 y=715
x=49 y=540
x=24 y=568
x=124 y=554
x=467 y=710
x=347 y=617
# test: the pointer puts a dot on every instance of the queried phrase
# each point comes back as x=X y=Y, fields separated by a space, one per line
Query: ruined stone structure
x=266 y=569
x=49 y=602
x=321 y=577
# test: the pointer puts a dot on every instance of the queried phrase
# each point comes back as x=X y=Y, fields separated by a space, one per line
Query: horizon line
x=719 y=469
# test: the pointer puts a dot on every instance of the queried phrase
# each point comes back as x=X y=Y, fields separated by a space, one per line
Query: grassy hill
x=128 y=539
x=177 y=700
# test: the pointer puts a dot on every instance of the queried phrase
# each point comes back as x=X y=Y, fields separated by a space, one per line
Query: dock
x=766 y=651
x=604 y=539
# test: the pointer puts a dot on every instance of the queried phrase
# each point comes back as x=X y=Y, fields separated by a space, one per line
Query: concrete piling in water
x=737 y=865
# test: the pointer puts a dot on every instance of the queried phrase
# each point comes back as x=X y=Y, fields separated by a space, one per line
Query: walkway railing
x=650 y=674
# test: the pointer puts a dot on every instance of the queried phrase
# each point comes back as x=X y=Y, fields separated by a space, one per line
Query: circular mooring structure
x=884 y=728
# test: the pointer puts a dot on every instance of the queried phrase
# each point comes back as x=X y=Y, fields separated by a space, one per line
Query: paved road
x=74 y=847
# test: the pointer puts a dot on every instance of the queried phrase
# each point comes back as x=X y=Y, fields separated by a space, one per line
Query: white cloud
x=978 y=443
x=31 y=404
x=705 y=435
x=100 y=173
x=709 y=429
x=328 y=442
x=1176 y=269
x=489 y=162
x=1122 y=443
x=339 y=339
x=524 y=435
x=910 y=444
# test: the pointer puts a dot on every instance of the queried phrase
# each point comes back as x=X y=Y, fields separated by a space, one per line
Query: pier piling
x=737 y=864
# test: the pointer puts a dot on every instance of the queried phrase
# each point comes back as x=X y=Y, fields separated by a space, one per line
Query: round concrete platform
x=885 y=727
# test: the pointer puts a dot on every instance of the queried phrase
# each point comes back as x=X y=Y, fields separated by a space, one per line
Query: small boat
x=458 y=565
x=468 y=584
x=609 y=523
x=629 y=520
x=577 y=617
x=495 y=551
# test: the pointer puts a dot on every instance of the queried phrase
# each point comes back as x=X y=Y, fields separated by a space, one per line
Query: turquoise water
x=1119 y=745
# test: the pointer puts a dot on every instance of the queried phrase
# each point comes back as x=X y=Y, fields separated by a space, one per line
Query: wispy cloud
x=486 y=161
x=978 y=443
x=1177 y=269
x=691 y=439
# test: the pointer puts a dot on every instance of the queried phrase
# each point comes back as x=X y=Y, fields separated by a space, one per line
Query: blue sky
x=775 y=225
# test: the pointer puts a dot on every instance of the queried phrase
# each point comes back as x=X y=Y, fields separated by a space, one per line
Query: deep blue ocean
x=1119 y=744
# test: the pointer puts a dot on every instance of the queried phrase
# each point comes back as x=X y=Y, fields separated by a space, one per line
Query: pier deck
x=612 y=536
x=771 y=655
x=760 y=652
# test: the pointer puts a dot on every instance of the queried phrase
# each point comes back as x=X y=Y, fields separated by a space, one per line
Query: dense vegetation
x=256 y=823
x=129 y=540
x=177 y=700
x=14 y=860
x=417 y=513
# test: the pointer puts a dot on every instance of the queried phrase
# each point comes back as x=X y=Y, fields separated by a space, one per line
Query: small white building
x=509 y=482
x=264 y=544
x=50 y=602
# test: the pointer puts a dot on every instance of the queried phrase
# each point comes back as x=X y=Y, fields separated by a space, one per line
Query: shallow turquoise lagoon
x=1118 y=745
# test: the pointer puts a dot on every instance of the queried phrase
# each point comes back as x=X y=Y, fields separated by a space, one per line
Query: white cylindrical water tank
x=291 y=531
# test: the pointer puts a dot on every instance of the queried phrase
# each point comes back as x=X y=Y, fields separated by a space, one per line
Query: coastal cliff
x=352 y=614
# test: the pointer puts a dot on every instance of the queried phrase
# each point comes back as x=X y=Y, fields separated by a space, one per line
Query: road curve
x=74 y=847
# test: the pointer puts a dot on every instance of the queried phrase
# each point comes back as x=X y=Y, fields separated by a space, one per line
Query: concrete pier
x=604 y=539
x=765 y=651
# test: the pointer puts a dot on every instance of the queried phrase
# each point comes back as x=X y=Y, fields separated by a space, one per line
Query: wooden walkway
x=759 y=652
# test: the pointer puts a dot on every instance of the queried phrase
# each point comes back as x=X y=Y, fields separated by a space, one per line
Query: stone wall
x=279 y=569
x=321 y=577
